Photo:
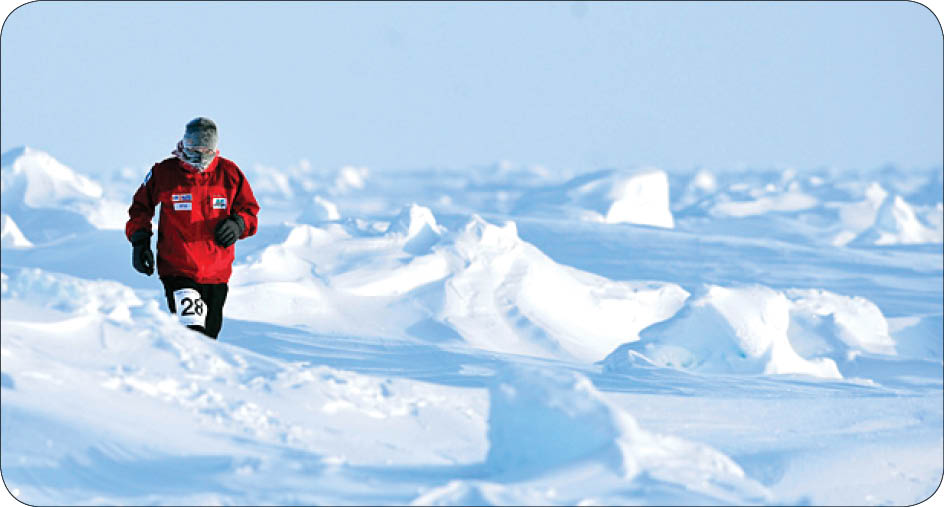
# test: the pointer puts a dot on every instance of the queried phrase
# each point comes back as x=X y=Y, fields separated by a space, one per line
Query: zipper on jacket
x=206 y=208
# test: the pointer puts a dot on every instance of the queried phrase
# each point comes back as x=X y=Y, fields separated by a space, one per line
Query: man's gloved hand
x=141 y=256
x=228 y=230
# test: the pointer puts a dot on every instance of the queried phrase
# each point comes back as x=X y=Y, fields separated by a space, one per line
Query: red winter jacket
x=192 y=203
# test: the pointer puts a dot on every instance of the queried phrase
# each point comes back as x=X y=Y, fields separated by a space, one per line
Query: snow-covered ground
x=499 y=335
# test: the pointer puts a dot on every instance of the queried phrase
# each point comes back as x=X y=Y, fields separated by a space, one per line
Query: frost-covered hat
x=201 y=132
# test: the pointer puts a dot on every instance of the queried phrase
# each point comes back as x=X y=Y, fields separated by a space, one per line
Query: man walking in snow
x=206 y=205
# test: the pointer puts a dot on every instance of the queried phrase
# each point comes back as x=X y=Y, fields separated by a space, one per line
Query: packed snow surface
x=500 y=335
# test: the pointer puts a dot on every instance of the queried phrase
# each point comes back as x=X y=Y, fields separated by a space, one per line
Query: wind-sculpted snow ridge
x=721 y=195
x=72 y=295
x=897 y=224
x=509 y=296
x=838 y=326
x=612 y=197
x=481 y=285
x=46 y=197
x=725 y=330
x=819 y=207
x=319 y=210
x=553 y=438
x=759 y=331
x=11 y=235
x=418 y=225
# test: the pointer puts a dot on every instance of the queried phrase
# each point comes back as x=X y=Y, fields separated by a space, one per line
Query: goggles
x=203 y=150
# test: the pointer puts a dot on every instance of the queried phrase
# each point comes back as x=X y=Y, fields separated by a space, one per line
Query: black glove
x=141 y=256
x=228 y=230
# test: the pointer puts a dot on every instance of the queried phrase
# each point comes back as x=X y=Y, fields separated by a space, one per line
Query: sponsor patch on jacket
x=183 y=206
x=181 y=197
x=219 y=203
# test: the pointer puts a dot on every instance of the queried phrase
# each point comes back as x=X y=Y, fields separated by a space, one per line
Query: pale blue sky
x=399 y=85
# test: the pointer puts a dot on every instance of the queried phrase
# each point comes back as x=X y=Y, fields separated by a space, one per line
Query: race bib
x=191 y=310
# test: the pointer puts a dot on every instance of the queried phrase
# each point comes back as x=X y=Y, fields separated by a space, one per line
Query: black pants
x=213 y=295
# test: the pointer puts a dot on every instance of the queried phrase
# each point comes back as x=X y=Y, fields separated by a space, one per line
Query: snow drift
x=817 y=207
x=319 y=210
x=187 y=393
x=541 y=419
x=72 y=295
x=823 y=323
x=48 y=198
x=739 y=196
x=897 y=224
x=632 y=197
x=757 y=330
x=442 y=353
x=10 y=234
x=552 y=427
x=151 y=375
x=480 y=284
x=509 y=296
x=725 y=331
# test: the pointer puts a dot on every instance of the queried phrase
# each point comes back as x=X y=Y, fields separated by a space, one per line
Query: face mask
x=199 y=157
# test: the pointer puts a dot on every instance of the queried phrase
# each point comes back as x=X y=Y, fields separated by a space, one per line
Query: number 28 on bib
x=191 y=310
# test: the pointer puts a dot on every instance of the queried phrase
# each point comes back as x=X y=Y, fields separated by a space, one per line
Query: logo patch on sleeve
x=219 y=203
x=183 y=206
x=181 y=197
